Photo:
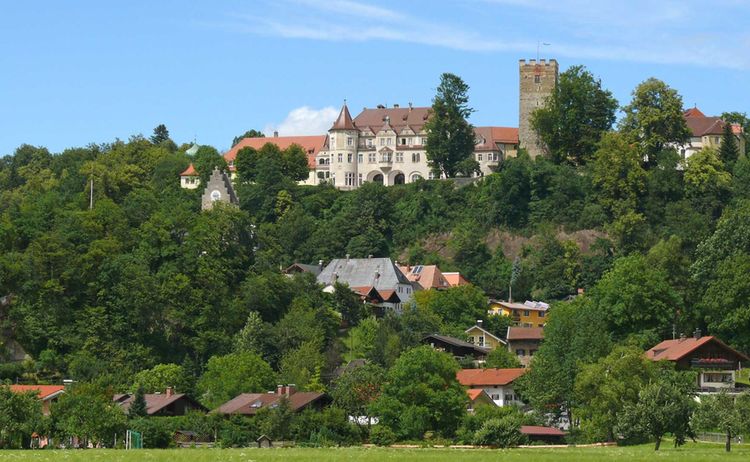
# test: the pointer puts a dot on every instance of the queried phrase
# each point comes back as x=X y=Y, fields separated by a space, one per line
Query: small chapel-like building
x=218 y=189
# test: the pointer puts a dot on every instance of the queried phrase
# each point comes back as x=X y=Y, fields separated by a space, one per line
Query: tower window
x=537 y=78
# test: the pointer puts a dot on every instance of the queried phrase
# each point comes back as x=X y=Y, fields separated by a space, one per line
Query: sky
x=79 y=72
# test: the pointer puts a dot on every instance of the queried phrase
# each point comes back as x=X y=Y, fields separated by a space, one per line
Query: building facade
x=526 y=314
x=707 y=132
x=537 y=81
x=387 y=146
x=218 y=189
x=497 y=383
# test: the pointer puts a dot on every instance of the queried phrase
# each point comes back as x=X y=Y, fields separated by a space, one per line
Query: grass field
x=688 y=453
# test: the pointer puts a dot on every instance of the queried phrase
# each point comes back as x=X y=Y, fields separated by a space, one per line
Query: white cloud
x=663 y=32
x=304 y=121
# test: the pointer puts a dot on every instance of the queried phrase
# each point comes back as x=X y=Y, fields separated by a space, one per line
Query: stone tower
x=537 y=80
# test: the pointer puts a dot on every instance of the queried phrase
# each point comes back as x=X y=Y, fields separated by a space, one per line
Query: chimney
x=697 y=333
x=169 y=392
x=479 y=322
x=275 y=134
x=369 y=256
x=280 y=389
x=291 y=389
x=347 y=257
x=320 y=264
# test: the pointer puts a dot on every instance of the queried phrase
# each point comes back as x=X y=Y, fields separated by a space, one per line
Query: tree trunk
x=728 y=446
x=658 y=443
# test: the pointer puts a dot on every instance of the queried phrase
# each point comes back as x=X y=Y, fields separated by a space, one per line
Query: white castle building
x=384 y=145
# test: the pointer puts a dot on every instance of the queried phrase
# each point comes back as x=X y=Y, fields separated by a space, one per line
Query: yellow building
x=481 y=337
x=527 y=314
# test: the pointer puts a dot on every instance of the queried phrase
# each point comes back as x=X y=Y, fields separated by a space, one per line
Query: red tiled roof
x=311 y=144
x=43 y=391
x=251 y=403
x=190 y=171
x=399 y=117
x=492 y=136
x=525 y=333
x=474 y=393
x=455 y=279
x=344 y=120
x=430 y=276
x=694 y=112
x=488 y=377
x=536 y=430
x=674 y=350
x=701 y=125
x=155 y=402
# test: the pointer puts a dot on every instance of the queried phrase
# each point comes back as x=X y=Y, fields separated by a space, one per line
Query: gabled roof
x=488 y=377
x=427 y=276
x=311 y=144
x=380 y=273
x=44 y=392
x=414 y=117
x=478 y=393
x=675 y=350
x=457 y=343
x=251 y=403
x=486 y=333
x=303 y=268
x=155 y=402
x=344 y=120
x=455 y=279
x=701 y=125
x=492 y=136
x=525 y=333
x=190 y=171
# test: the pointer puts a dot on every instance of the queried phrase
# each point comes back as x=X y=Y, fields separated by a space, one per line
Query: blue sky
x=77 y=72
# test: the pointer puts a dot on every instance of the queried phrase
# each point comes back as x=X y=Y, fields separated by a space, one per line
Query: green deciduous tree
x=160 y=377
x=229 y=375
x=654 y=118
x=635 y=297
x=664 y=405
x=87 y=412
x=617 y=175
x=20 y=417
x=501 y=358
x=707 y=183
x=248 y=134
x=726 y=413
x=458 y=306
x=450 y=137
x=421 y=394
x=604 y=388
x=574 y=117
x=356 y=389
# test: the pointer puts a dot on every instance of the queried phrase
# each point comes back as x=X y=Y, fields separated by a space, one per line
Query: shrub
x=382 y=436
x=501 y=432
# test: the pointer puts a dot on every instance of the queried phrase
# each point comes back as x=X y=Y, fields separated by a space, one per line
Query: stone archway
x=399 y=178
x=377 y=178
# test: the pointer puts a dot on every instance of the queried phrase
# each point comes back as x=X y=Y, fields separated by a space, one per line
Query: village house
x=497 y=383
x=189 y=178
x=457 y=347
x=430 y=277
x=481 y=337
x=168 y=403
x=478 y=398
x=47 y=394
x=377 y=279
x=716 y=363
x=524 y=342
x=526 y=314
x=250 y=403
x=706 y=132
x=310 y=144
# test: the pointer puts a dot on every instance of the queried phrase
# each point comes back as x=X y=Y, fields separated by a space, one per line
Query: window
x=369 y=142
x=495 y=397
x=349 y=141
x=360 y=180
x=371 y=157
x=349 y=157
x=537 y=78
x=399 y=156
x=479 y=157
x=349 y=179
x=403 y=141
x=388 y=141
x=360 y=158
x=382 y=141
x=424 y=140
x=526 y=313
x=410 y=141
x=341 y=157
x=431 y=176
x=541 y=314
x=510 y=397
x=416 y=177
x=415 y=157
x=493 y=156
x=333 y=141
x=520 y=352
x=385 y=157
x=481 y=340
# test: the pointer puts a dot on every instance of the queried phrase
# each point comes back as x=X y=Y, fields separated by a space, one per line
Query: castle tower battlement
x=537 y=81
